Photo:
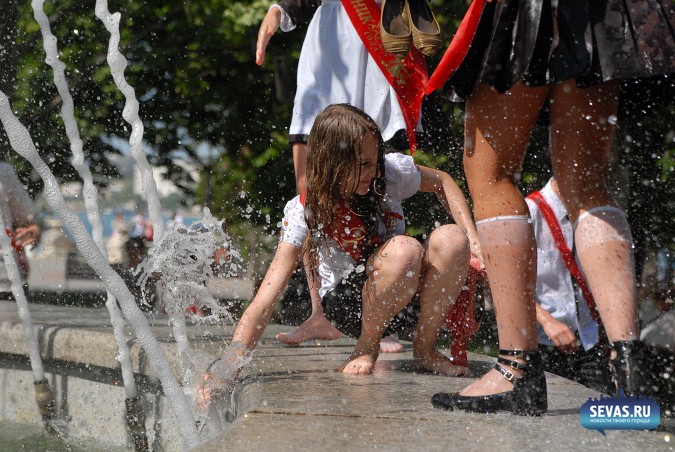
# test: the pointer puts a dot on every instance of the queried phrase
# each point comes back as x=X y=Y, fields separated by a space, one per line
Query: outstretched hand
x=211 y=388
x=477 y=254
x=268 y=27
x=28 y=235
x=220 y=378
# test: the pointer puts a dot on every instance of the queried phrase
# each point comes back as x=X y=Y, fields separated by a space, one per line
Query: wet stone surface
x=292 y=398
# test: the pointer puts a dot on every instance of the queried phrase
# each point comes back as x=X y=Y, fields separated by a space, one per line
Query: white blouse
x=403 y=180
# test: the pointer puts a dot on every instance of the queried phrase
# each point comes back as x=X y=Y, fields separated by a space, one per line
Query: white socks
x=604 y=246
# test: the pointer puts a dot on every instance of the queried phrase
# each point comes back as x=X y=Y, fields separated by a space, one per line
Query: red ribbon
x=348 y=231
x=458 y=48
x=408 y=78
x=461 y=320
x=23 y=263
x=568 y=257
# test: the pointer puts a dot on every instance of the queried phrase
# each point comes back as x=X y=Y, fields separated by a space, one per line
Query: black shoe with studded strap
x=631 y=370
x=528 y=397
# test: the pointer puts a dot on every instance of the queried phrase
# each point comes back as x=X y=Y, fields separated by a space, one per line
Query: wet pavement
x=292 y=398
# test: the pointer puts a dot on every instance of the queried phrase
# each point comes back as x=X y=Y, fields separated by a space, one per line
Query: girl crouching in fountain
x=374 y=280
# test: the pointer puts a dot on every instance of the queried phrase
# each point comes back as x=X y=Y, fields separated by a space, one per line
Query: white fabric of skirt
x=335 y=67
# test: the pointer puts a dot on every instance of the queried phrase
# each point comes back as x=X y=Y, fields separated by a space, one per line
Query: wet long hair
x=333 y=171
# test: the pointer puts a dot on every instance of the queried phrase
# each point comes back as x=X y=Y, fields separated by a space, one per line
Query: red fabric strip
x=458 y=48
x=23 y=263
x=568 y=257
x=348 y=231
x=408 y=78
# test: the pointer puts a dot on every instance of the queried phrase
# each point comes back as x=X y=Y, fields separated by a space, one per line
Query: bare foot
x=360 y=365
x=315 y=327
x=438 y=363
x=491 y=383
x=390 y=344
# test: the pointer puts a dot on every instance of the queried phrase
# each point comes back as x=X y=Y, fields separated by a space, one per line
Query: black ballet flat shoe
x=528 y=397
x=630 y=371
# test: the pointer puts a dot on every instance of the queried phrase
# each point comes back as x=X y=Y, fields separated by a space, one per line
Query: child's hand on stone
x=218 y=382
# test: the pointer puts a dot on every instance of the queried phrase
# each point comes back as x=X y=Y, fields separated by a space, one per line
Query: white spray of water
x=89 y=191
x=182 y=258
x=21 y=302
x=118 y=64
x=22 y=143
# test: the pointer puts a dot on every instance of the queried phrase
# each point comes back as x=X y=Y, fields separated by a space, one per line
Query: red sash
x=408 y=78
x=459 y=46
x=348 y=231
x=461 y=320
x=568 y=257
x=23 y=263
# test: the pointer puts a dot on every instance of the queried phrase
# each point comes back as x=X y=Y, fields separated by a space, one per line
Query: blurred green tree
x=204 y=101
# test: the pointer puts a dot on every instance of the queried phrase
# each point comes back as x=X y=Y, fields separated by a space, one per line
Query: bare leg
x=444 y=269
x=498 y=129
x=300 y=166
x=393 y=279
x=582 y=132
x=316 y=326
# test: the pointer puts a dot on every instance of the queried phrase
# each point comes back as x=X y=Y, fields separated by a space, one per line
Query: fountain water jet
x=22 y=142
x=200 y=242
x=117 y=64
x=43 y=393
x=134 y=414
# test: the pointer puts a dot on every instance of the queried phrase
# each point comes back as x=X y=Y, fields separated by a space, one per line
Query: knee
x=404 y=252
x=449 y=243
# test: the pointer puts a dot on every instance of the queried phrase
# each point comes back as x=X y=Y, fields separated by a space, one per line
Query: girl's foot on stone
x=390 y=344
x=360 y=365
x=315 y=327
x=438 y=363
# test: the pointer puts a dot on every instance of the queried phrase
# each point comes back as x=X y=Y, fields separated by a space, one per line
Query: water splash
x=22 y=143
x=89 y=191
x=182 y=260
x=212 y=392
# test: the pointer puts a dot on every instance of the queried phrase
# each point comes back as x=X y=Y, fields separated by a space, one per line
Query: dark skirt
x=343 y=307
x=543 y=42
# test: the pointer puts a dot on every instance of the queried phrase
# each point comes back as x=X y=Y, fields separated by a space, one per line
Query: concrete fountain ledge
x=287 y=398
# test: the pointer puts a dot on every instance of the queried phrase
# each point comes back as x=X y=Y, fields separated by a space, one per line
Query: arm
x=268 y=27
x=561 y=334
x=23 y=211
x=219 y=379
x=256 y=317
x=299 y=12
x=454 y=202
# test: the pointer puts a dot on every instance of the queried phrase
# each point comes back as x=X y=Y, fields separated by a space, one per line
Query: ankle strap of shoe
x=507 y=373
x=515 y=364
x=527 y=354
